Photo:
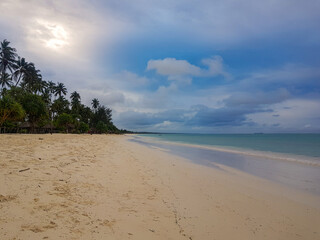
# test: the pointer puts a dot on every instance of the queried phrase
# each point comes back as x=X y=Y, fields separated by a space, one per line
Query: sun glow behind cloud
x=201 y=59
x=52 y=35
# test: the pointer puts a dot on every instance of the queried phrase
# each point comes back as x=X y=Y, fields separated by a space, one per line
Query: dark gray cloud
x=234 y=112
x=226 y=116
x=141 y=102
x=257 y=98
x=196 y=116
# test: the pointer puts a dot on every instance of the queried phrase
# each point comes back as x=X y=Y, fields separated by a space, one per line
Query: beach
x=65 y=186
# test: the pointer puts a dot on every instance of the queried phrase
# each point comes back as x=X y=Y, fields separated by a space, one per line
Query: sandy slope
x=104 y=187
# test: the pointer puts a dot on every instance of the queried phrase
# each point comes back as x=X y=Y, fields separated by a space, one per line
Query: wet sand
x=106 y=187
x=297 y=172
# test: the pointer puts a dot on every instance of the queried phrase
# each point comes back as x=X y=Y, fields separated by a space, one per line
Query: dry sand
x=105 y=187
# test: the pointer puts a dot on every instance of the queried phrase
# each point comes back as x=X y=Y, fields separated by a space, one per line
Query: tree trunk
x=18 y=80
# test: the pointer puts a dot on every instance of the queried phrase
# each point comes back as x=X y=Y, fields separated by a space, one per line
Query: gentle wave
x=292 y=144
x=270 y=155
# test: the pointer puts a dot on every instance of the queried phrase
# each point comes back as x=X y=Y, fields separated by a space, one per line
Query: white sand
x=104 y=187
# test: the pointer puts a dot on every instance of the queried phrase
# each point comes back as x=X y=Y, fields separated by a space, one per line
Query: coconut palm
x=60 y=90
x=60 y=105
x=50 y=90
x=31 y=79
x=51 y=87
x=95 y=103
x=5 y=80
x=7 y=57
x=75 y=98
x=21 y=69
x=40 y=86
x=75 y=101
x=25 y=96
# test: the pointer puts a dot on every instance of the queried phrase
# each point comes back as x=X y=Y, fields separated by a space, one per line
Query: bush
x=83 y=127
x=101 y=127
x=63 y=121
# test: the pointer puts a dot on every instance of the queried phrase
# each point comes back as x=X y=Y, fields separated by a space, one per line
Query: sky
x=182 y=66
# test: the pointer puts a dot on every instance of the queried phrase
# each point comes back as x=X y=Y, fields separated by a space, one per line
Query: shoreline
x=102 y=186
x=313 y=161
x=296 y=174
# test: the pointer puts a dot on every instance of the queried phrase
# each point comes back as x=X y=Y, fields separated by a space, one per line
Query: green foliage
x=60 y=105
x=7 y=57
x=25 y=96
x=101 y=127
x=10 y=110
x=60 y=90
x=35 y=108
x=83 y=127
x=85 y=114
x=16 y=93
x=5 y=80
x=95 y=103
x=63 y=121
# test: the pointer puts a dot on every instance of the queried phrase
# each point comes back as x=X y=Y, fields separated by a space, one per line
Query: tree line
x=28 y=103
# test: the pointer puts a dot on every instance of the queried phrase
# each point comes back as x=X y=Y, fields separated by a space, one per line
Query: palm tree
x=95 y=103
x=60 y=105
x=75 y=98
x=7 y=57
x=40 y=86
x=21 y=69
x=31 y=79
x=60 y=89
x=51 y=87
x=75 y=101
x=5 y=80
x=47 y=96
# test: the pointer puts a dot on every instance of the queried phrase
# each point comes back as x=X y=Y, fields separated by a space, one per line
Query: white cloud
x=130 y=79
x=60 y=36
x=182 y=71
x=173 y=67
x=215 y=67
x=292 y=115
x=69 y=41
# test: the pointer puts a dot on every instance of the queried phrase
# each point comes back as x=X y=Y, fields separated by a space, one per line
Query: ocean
x=293 y=144
x=289 y=159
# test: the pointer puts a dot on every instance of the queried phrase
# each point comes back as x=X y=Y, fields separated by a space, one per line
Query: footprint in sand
x=7 y=198
x=108 y=223
x=37 y=229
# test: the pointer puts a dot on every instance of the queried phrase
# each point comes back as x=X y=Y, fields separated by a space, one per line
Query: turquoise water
x=296 y=144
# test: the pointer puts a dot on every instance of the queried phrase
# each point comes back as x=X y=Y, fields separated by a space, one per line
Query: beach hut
x=25 y=127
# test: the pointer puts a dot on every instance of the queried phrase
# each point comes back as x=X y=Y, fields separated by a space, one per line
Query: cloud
x=74 y=42
x=195 y=116
x=163 y=97
x=173 y=67
x=229 y=107
x=183 y=71
x=132 y=78
x=257 y=99
x=292 y=115
x=109 y=98
x=297 y=77
x=225 y=22
x=215 y=67
x=60 y=37
x=300 y=117
x=210 y=117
